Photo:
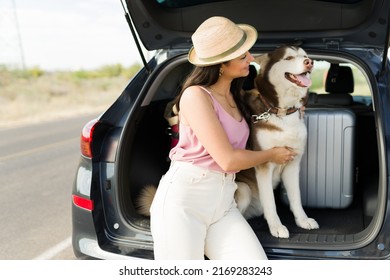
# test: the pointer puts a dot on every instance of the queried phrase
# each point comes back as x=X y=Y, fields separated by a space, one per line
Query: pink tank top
x=189 y=148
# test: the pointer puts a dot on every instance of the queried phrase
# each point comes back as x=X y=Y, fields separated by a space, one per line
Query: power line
x=11 y=49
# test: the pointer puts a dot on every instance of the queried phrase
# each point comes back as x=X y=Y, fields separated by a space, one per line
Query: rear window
x=361 y=87
x=184 y=3
x=188 y=3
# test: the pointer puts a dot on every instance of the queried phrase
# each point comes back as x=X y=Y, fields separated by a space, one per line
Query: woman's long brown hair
x=207 y=76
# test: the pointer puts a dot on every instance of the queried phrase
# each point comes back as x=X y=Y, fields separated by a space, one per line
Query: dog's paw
x=307 y=223
x=279 y=231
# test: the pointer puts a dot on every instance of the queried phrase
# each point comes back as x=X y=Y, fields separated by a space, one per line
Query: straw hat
x=218 y=40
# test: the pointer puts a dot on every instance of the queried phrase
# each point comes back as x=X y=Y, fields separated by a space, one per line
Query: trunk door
x=163 y=24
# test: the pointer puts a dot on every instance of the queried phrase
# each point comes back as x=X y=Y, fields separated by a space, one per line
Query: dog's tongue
x=304 y=80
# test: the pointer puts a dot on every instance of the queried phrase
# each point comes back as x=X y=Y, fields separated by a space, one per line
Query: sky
x=65 y=34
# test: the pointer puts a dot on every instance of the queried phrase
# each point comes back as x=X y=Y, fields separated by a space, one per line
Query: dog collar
x=280 y=112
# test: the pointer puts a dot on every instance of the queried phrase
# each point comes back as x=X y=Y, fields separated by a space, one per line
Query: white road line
x=55 y=250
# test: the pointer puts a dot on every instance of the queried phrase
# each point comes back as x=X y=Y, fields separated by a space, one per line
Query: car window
x=187 y=3
x=361 y=87
x=184 y=3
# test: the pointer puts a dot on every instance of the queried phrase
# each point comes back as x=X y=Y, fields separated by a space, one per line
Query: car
x=348 y=188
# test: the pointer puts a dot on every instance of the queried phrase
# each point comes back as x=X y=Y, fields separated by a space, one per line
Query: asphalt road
x=37 y=168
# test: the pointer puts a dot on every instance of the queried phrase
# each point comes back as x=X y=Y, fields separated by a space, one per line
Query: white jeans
x=194 y=214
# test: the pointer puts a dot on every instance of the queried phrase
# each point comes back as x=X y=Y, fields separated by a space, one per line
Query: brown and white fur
x=277 y=121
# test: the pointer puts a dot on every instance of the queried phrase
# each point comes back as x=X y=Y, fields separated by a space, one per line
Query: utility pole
x=11 y=49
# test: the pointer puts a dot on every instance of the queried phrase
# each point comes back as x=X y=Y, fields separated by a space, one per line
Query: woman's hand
x=282 y=155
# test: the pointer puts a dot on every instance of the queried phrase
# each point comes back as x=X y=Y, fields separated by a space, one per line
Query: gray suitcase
x=327 y=166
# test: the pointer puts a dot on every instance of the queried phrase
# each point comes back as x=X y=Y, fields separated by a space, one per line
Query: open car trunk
x=146 y=144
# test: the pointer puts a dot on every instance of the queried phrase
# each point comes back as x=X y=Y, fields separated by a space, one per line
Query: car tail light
x=86 y=138
x=82 y=202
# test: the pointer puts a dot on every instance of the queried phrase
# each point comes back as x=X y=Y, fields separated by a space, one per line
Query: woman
x=194 y=213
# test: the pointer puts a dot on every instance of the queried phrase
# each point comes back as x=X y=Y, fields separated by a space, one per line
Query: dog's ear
x=262 y=59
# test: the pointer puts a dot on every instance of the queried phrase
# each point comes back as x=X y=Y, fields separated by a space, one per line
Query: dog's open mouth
x=301 y=80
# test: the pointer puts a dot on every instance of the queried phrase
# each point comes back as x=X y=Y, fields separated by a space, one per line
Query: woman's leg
x=177 y=235
x=180 y=213
x=232 y=238
x=229 y=235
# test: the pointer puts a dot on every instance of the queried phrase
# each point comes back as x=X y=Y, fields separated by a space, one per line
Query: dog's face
x=285 y=72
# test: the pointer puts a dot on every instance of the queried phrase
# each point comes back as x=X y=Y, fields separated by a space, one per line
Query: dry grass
x=33 y=95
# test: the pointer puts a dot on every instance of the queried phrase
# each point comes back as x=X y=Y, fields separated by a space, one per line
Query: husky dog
x=281 y=88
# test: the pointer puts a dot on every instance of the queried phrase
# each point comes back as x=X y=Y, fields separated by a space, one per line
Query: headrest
x=339 y=79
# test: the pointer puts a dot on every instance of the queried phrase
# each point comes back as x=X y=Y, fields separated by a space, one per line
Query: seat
x=339 y=85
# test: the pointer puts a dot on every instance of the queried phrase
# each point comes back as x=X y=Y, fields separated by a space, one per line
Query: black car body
x=127 y=146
